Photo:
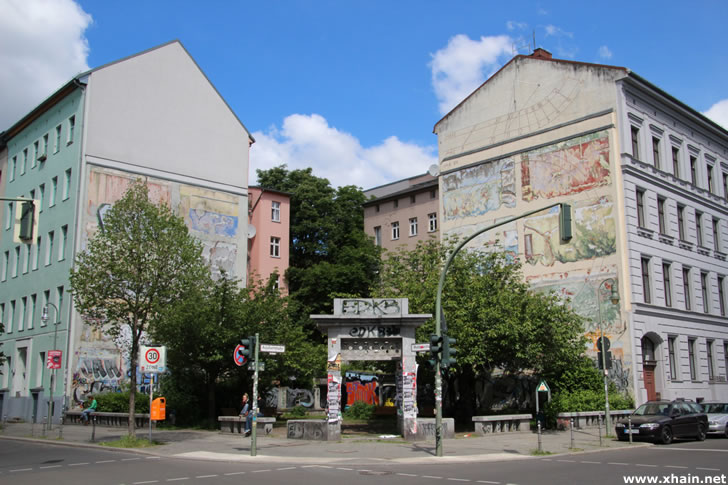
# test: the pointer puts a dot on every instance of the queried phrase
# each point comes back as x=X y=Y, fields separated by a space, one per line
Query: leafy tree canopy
x=139 y=263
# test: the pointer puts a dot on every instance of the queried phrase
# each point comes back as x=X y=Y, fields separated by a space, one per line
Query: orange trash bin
x=159 y=407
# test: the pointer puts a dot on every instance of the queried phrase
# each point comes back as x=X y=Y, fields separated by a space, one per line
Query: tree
x=140 y=262
x=497 y=320
x=330 y=252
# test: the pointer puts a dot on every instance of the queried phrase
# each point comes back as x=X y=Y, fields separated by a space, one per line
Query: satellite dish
x=251 y=231
x=434 y=170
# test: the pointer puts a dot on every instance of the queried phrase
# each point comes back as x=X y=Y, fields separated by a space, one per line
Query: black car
x=661 y=421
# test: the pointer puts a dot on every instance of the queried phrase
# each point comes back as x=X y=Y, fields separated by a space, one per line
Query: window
x=413 y=226
x=66 y=184
x=635 y=142
x=59 y=301
x=661 y=215
x=721 y=297
x=725 y=356
x=640 y=208
x=376 y=208
x=716 y=234
x=433 y=194
x=63 y=242
x=432 y=222
x=699 y=227
x=711 y=364
x=656 y=151
x=22 y=315
x=2 y=312
x=710 y=187
x=672 y=356
x=41 y=196
x=396 y=203
x=11 y=318
x=49 y=248
x=9 y=215
x=41 y=365
x=646 y=291
x=693 y=170
x=275 y=247
x=692 y=360
x=71 y=128
x=36 y=254
x=31 y=312
x=378 y=235
x=13 y=167
x=16 y=262
x=45 y=146
x=46 y=299
x=57 y=145
x=26 y=259
x=54 y=188
x=667 y=279
x=275 y=211
x=725 y=186
x=413 y=199
x=704 y=291
x=686 y=288
x=395 y=231
x=676 y=162
x=681 y=222
x=6 y=264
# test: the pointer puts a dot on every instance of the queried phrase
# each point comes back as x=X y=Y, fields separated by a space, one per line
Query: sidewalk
x=359 y=449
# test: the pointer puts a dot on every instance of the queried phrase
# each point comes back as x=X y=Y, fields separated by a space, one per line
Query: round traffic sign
x=152 y=356
x=238 y=356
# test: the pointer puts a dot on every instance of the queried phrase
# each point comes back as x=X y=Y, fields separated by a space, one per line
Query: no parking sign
x=152 y=359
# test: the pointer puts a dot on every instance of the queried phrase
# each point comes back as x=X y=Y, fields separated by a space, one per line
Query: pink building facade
x=269 y=235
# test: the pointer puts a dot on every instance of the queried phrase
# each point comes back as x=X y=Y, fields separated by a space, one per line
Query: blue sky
x=352 y=88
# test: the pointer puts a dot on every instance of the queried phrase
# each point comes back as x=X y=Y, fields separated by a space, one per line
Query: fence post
x=571 y=429
x=629 y=427
x=93 y=429
x=538 y=423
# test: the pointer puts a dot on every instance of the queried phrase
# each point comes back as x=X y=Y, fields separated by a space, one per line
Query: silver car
x=717 y=418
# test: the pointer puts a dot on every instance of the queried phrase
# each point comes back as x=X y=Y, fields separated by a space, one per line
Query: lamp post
x=44 y=319
x=614 y=298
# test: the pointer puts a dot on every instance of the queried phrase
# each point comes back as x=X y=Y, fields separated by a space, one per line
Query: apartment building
x=269 y=235
x=647 y=178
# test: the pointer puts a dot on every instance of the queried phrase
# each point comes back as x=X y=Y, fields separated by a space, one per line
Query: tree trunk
x=132 y=390
x=211 y=407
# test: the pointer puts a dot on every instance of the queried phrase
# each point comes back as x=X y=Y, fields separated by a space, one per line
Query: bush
x=297 y=412
x=118 y=402
x=360 y=410
x=584 y=400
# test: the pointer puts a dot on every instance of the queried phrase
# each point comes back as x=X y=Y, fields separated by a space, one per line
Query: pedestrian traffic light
x=448 y=352
x=248 y=349
x=435 y=349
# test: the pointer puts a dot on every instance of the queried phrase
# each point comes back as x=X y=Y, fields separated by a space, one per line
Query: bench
x=262 y=423
x=108 y=419
x=587 y=419
x=503 y=423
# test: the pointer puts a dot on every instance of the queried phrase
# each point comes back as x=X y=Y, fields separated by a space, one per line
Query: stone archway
x=372 y=329
x=650 y=344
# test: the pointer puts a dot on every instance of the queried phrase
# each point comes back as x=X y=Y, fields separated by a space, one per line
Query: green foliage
x=359 y=410
x=118 y=402
x=129 y=442
x=142 y=261
x=585 y=400
x=297 y=412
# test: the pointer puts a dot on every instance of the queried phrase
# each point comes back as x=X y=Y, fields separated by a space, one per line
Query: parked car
x=717 y=417
x=661 y=421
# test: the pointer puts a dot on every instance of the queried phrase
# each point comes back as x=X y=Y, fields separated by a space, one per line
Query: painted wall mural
x=502 y=238
x=477 y=190
x=566 y=168
x=593 y=228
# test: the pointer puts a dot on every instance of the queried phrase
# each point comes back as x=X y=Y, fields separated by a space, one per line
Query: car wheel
x=666 y=435
x=726 y=431
x=701 y=432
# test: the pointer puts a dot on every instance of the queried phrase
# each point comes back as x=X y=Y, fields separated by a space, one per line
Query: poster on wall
x=333 y=399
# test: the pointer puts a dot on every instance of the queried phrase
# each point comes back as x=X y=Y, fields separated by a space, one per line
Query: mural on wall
x=593 y=228
x=476 y=190
x=503 y=238
x=566 y=168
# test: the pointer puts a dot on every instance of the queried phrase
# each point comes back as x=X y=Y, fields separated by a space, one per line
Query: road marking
x=406 y=474
x=309 y=466
x=77 y=464
x=142 y=483
x=260 y=471
x=708 y=469
x=132 y=459
x=486 y=481
x=642 y=464
x=695 y=449
x=50 y=466
x=617 y=463
x=205 y=476
x=293 y=468
x=567 y=461
x=346 y=469
x=430 y=476
x=177 y=479
x=591 y=462
x=234 y=473
x=152 y=458
x=675 y=466
x=105 y=461
x=21 y=470
x=458 y=479
x=325 y=466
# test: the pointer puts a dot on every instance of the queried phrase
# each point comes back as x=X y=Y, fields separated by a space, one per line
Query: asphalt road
x=39 y=463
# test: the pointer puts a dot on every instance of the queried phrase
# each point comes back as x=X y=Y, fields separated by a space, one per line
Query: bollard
x=540 y=450
x=93 y=429
x=629 y=427
x=571 y=428
x=600 y=430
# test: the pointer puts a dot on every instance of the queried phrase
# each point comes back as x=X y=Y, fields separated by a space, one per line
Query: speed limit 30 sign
x=152 y=359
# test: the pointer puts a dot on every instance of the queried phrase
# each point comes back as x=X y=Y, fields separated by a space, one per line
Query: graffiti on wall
x=593 y=228
x=213 y=223
x=367 y=392
x=476 y=190
x=566 y=168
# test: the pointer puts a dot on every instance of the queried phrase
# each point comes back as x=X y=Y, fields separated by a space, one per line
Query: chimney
x=541 y=53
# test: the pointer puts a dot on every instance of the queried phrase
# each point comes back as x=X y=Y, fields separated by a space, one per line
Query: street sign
x=421 y=347
x=153 y=359
x=272 y=349
x=55 y=357
x=238 y=355
x=542 y=387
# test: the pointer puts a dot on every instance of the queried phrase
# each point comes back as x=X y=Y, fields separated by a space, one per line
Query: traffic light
x=248 y=350
x=564 y=223
x=26 y=221
x=435 y=349
x=601 y=359
x=448 y=352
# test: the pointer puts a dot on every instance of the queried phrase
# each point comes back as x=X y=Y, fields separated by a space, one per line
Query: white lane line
x=205 y=476
x=567 y=461
x=486 y=481
x=310 y=466
x=642 y=464
x=152 y=458
x=133 y=459
x=720 y=450
x=708 y=469
x=617 y=463
x=105 y=461
x=78 y=464
x=21 y=470
x=430 y=476
x=676 y=466
x=142 y=483
x=50 y=466
x=177 y=479
x=260 y=471
x=458 y=479
x=345 y=469
x=293 y=468
x=406 y=474
x=234 y=473
x=591 y=462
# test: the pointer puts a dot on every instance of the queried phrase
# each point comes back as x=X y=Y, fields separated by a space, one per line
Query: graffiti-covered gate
x=372 y=329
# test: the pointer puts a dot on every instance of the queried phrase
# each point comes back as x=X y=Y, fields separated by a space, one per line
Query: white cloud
x=719 y=113
x=42 y=46
x=308 y=141
x=463 y=64
x=552 y=30
x=511 y=25
x=604 y=52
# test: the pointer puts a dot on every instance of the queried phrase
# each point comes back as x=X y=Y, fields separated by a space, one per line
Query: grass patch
x=541 y=453
x=130 y=442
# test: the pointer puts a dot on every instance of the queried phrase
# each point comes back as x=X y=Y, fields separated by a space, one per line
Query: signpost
x=153 y=361
x=54 y=360
x=239 y=355
x=421 y=347
x=272 y=349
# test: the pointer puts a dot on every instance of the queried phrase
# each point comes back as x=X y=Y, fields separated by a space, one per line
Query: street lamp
x=614 y=298
x=44 y=319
